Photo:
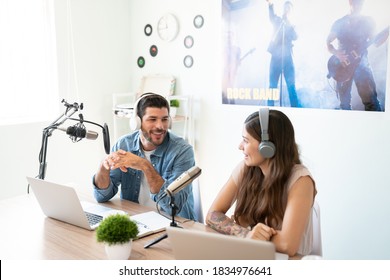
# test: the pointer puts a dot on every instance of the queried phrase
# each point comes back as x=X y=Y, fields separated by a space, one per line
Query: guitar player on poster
x=353 y=32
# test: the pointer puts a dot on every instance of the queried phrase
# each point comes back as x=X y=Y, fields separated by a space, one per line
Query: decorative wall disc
x=198 y=21
x=188 y=42
x=141 y=62
x=153 y=50
x=148 y=30
x=188 y=61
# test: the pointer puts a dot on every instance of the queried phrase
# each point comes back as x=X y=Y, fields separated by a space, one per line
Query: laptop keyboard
x=93 y=219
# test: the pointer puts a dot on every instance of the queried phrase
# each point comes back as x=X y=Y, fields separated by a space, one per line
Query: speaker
x=266 y=147
x=135 y=120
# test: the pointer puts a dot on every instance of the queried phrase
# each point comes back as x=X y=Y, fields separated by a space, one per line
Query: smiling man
x=145 y=162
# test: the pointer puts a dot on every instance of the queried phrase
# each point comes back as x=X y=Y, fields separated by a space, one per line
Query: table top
x=26 y=233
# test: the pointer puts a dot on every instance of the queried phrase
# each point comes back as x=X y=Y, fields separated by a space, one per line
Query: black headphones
x=266 y=147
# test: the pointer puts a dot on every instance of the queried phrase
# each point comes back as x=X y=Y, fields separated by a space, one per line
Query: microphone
x=79 y=132
x=176 y=186
x=183 y=180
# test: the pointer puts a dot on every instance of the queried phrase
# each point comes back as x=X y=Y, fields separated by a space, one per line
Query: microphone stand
x=172 y=224
x=282 y=72
x=281 y=28
x=47 y=132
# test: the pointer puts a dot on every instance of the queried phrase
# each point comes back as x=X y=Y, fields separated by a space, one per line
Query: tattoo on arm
x=221 y=223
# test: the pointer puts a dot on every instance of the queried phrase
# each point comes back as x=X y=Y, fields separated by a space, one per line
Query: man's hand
x=122 y=160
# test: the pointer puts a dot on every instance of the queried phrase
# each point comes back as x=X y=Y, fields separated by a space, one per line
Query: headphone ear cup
x=267 y=149
x=135 y=122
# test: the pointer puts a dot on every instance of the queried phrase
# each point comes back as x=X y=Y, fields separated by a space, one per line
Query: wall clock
x=168 y=27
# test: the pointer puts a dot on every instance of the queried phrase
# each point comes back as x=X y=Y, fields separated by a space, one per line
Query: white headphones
x=135 y=120
x=266 y=147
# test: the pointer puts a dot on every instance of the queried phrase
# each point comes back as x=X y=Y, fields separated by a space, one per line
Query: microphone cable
x=165 y=215
x=159 y=209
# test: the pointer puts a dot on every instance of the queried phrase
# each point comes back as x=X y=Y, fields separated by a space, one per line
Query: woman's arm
x=299 y=206
x=216 y=217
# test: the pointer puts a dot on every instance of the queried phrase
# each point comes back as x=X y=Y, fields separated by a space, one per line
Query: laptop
x=61 y=202
x=190 y=244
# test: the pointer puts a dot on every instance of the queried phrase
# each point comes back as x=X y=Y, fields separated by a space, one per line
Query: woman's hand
x=261 y=232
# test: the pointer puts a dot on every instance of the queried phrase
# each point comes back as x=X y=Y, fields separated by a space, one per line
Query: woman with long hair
x=272 y=194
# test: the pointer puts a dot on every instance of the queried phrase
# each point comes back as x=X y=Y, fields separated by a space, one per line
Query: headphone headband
x=135 y=120
x=266 y=147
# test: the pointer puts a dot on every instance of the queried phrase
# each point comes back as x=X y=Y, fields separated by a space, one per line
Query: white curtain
x=28 y=68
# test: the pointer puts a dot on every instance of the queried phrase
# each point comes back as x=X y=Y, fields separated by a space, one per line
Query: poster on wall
x=306 y=54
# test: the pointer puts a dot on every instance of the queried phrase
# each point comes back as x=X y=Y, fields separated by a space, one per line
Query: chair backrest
x=197 y=201
x=317 y=239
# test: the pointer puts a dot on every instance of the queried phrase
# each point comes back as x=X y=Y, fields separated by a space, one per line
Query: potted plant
x=174 y=104
x=117 y=231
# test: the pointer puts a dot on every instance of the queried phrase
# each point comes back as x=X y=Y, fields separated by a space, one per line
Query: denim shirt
x=173 y=157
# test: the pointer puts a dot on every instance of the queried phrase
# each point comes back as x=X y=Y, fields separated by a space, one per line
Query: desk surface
x=26 y=233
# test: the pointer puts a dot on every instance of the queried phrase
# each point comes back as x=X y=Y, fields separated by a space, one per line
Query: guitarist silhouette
x=349 y=62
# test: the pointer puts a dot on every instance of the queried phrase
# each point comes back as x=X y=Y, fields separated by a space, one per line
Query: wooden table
x=26 y=233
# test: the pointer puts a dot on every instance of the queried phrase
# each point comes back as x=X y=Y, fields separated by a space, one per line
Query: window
x=28 y=68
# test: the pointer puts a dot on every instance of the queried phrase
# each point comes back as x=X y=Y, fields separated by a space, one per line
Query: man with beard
x=145 y=162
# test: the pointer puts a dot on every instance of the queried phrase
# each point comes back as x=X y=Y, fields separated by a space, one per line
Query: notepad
x=150 y=222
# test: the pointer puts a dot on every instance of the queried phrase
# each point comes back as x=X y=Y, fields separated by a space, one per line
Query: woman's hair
x=151 y=100
x=261 y=200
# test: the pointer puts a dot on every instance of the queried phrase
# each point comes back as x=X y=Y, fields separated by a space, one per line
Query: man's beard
x=148 y=136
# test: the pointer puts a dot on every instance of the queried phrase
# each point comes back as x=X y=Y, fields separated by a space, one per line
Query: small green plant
x=174 y=103
x=117 y=228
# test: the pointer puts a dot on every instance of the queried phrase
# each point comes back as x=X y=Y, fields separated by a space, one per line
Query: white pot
x=119 y=251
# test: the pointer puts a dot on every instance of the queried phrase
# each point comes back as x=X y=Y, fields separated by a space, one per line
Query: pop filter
x=106 y=139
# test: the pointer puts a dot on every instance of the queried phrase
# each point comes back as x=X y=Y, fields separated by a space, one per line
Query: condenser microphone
x=183 y=180
x=79 y=132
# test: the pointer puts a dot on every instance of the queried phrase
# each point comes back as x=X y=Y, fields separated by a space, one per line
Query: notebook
x=149 y=223
x=190 y=244
x=61 y=202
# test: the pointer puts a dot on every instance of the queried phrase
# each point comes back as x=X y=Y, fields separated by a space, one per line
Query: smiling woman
x=28 y=75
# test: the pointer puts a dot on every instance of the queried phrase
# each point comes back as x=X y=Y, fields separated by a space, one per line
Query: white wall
x=347 y=152
x=101 y=44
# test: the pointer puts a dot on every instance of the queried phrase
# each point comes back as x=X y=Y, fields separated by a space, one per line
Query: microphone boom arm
x=70 y=110
x=47 y=132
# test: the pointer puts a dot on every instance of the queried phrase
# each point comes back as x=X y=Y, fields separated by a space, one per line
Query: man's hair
x=153 y=100
x=288 y=6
